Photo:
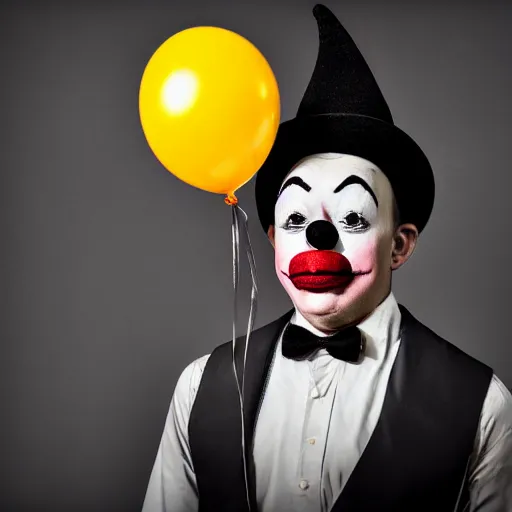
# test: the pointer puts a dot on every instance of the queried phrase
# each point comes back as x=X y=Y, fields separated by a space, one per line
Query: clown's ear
x=404 y=243
x=271 y=235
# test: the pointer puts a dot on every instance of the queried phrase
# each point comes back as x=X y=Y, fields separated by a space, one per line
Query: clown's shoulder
x=496 y=419
x=190 y=378
x=188 y=381
x=495 y=423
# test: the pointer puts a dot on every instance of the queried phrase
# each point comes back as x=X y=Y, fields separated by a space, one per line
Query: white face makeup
x=338 y=269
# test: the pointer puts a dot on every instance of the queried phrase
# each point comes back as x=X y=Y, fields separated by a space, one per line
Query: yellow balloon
x=209 y=108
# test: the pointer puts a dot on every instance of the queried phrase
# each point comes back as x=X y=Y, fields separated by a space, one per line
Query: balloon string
x=252 y=313
x=254 y=287
x=236 y=275
x=236 y=210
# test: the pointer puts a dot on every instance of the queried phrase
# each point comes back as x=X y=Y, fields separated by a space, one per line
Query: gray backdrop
x=115 y=275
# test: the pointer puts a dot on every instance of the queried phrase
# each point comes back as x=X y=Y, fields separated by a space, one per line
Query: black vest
x=416 y=459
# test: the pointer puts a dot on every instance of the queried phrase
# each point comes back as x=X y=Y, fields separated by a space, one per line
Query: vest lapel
x=417 y=457
x=223 y=488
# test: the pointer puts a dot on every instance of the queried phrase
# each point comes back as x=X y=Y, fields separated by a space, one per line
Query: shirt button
x=304 y=484
x=314 y=394
x=311 y=441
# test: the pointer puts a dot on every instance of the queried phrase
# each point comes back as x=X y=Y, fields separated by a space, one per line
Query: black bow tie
x=347 y=344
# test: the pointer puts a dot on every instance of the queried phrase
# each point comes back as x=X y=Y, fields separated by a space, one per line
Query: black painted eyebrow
x=356 y=180
x=295 y=180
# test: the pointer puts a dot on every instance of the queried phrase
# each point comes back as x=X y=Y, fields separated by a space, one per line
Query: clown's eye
x=295 y=220
x=355 y=222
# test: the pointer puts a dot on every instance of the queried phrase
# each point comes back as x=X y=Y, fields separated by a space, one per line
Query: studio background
x=115 y=275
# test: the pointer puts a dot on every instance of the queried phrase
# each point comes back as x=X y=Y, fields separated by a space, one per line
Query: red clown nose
x=320 y=271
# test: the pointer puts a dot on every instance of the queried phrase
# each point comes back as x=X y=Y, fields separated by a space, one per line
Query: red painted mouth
x=320 y=271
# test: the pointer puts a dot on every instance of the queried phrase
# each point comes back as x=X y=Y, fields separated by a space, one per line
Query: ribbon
x=239 y=217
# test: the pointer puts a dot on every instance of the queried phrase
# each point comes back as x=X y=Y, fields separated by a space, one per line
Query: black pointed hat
x=344 y=111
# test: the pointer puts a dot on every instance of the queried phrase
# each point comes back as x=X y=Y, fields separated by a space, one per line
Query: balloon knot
x=231 y=200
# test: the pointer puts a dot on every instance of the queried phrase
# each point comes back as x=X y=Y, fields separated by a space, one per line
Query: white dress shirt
x=302 y=462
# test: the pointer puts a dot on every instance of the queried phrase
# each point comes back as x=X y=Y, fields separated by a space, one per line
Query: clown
x=351 y=404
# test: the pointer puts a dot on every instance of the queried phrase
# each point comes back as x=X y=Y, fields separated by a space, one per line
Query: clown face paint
x=333 y=238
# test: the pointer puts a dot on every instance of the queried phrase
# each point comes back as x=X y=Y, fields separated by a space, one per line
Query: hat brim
x=385 y=145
